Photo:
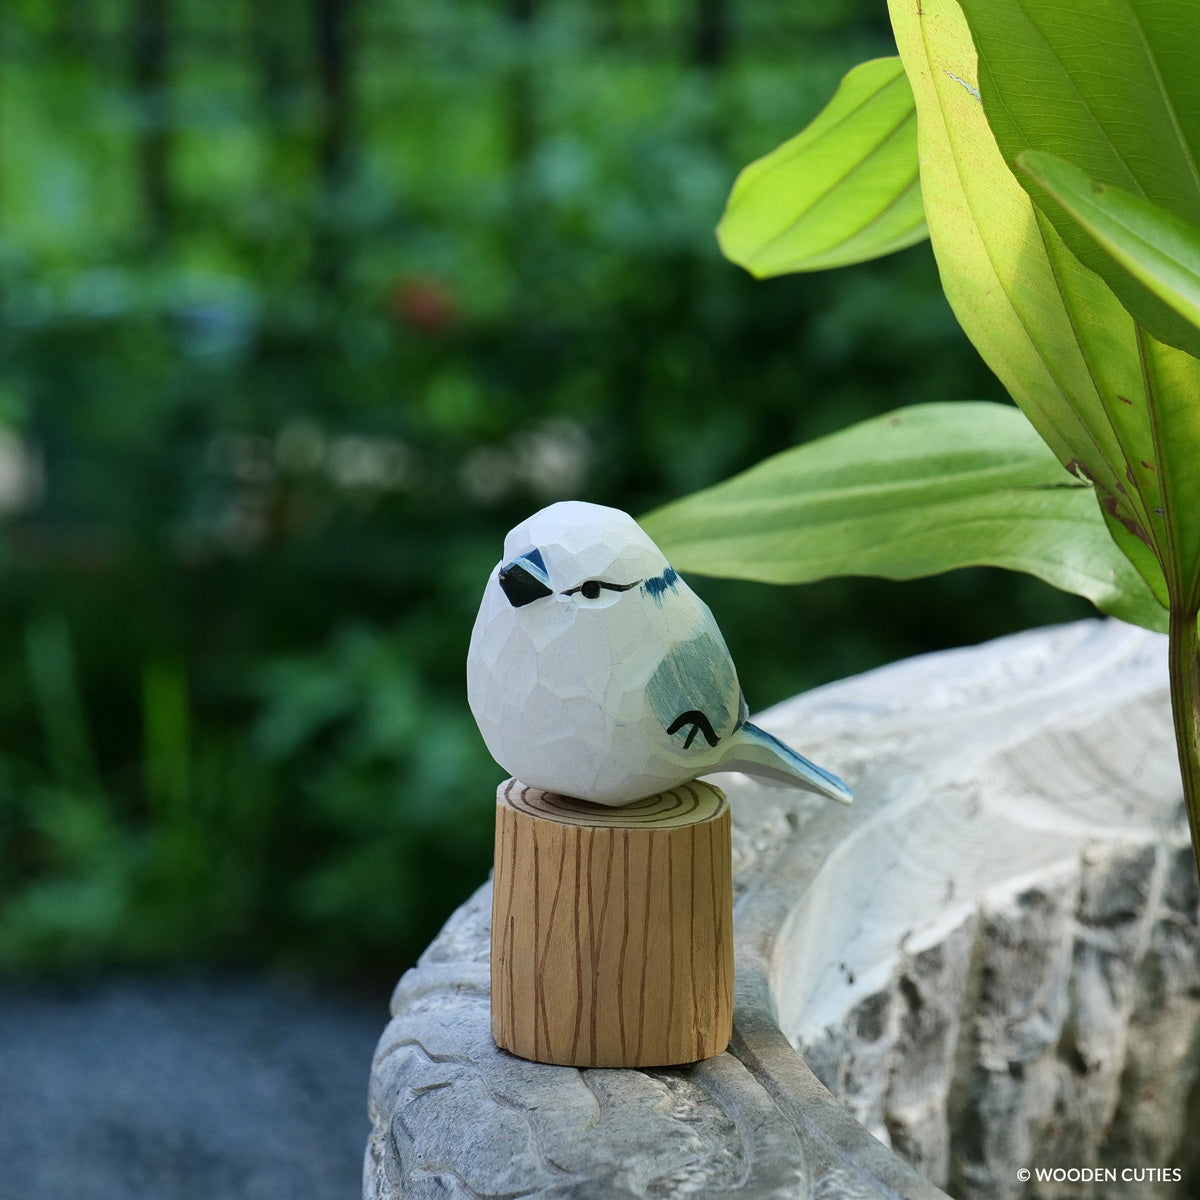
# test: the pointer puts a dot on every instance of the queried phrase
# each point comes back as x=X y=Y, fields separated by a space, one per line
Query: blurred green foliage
x=302 y=308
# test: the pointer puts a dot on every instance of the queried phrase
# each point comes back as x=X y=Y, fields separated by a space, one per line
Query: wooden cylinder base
x=612 y=928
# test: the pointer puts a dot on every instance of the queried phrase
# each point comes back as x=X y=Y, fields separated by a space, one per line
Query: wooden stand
x=612 y=928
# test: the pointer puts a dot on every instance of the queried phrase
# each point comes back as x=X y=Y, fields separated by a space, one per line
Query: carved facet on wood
x=612 y=928
x=594 y=671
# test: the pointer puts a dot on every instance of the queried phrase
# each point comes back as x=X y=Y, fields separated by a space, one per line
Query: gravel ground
x=183 y=1090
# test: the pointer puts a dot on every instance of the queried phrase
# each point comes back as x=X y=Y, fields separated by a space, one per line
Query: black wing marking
x=699 y=723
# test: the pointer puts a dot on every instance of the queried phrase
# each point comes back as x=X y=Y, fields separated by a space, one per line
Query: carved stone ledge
x=991 y=962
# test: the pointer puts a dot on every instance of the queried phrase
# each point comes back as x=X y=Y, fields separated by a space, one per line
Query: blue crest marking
x=657 y=585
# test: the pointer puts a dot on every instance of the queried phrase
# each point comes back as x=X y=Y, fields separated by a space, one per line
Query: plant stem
x=1184 y=658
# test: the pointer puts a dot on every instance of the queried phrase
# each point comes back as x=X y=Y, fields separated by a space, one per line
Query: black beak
x=520 y=585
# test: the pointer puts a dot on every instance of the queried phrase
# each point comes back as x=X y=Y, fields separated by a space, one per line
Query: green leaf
x=1114 y=404
x=1159 y=249
x=844 y=190
x=1163 y=252
x=919 y=491
x=1111 y=86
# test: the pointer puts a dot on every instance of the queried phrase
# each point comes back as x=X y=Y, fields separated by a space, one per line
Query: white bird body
x=594 y=671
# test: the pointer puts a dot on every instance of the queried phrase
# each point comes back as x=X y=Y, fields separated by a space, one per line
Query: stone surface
x=991 y=963
x=929 y=993
x=170 y=1090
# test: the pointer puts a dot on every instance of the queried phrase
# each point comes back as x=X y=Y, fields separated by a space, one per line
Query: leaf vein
x=1168 y=103
x=859 y=166
x=1086 y=106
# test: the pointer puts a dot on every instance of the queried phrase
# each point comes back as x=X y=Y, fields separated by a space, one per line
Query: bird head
x=585 y=554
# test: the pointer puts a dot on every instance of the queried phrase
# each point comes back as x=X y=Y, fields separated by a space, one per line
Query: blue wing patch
x=696 y=680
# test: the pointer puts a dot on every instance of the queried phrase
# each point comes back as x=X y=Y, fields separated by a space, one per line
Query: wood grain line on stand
x=622 y=960
x=578 y=944
x=644 y=958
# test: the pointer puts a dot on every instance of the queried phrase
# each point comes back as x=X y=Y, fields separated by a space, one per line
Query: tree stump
x=612 y=928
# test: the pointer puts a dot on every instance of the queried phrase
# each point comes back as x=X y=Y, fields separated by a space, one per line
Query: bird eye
x=597 y=589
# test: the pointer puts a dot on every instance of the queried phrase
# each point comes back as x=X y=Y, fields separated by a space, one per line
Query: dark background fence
x=302 y=305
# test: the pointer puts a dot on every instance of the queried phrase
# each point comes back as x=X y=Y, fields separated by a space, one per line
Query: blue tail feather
x=758 y=752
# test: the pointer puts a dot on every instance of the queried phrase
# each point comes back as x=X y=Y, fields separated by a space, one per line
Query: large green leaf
x=1112 y=402
x=1112 y=87
x=1157 y=248
x=844 y=190
x=922 y=490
